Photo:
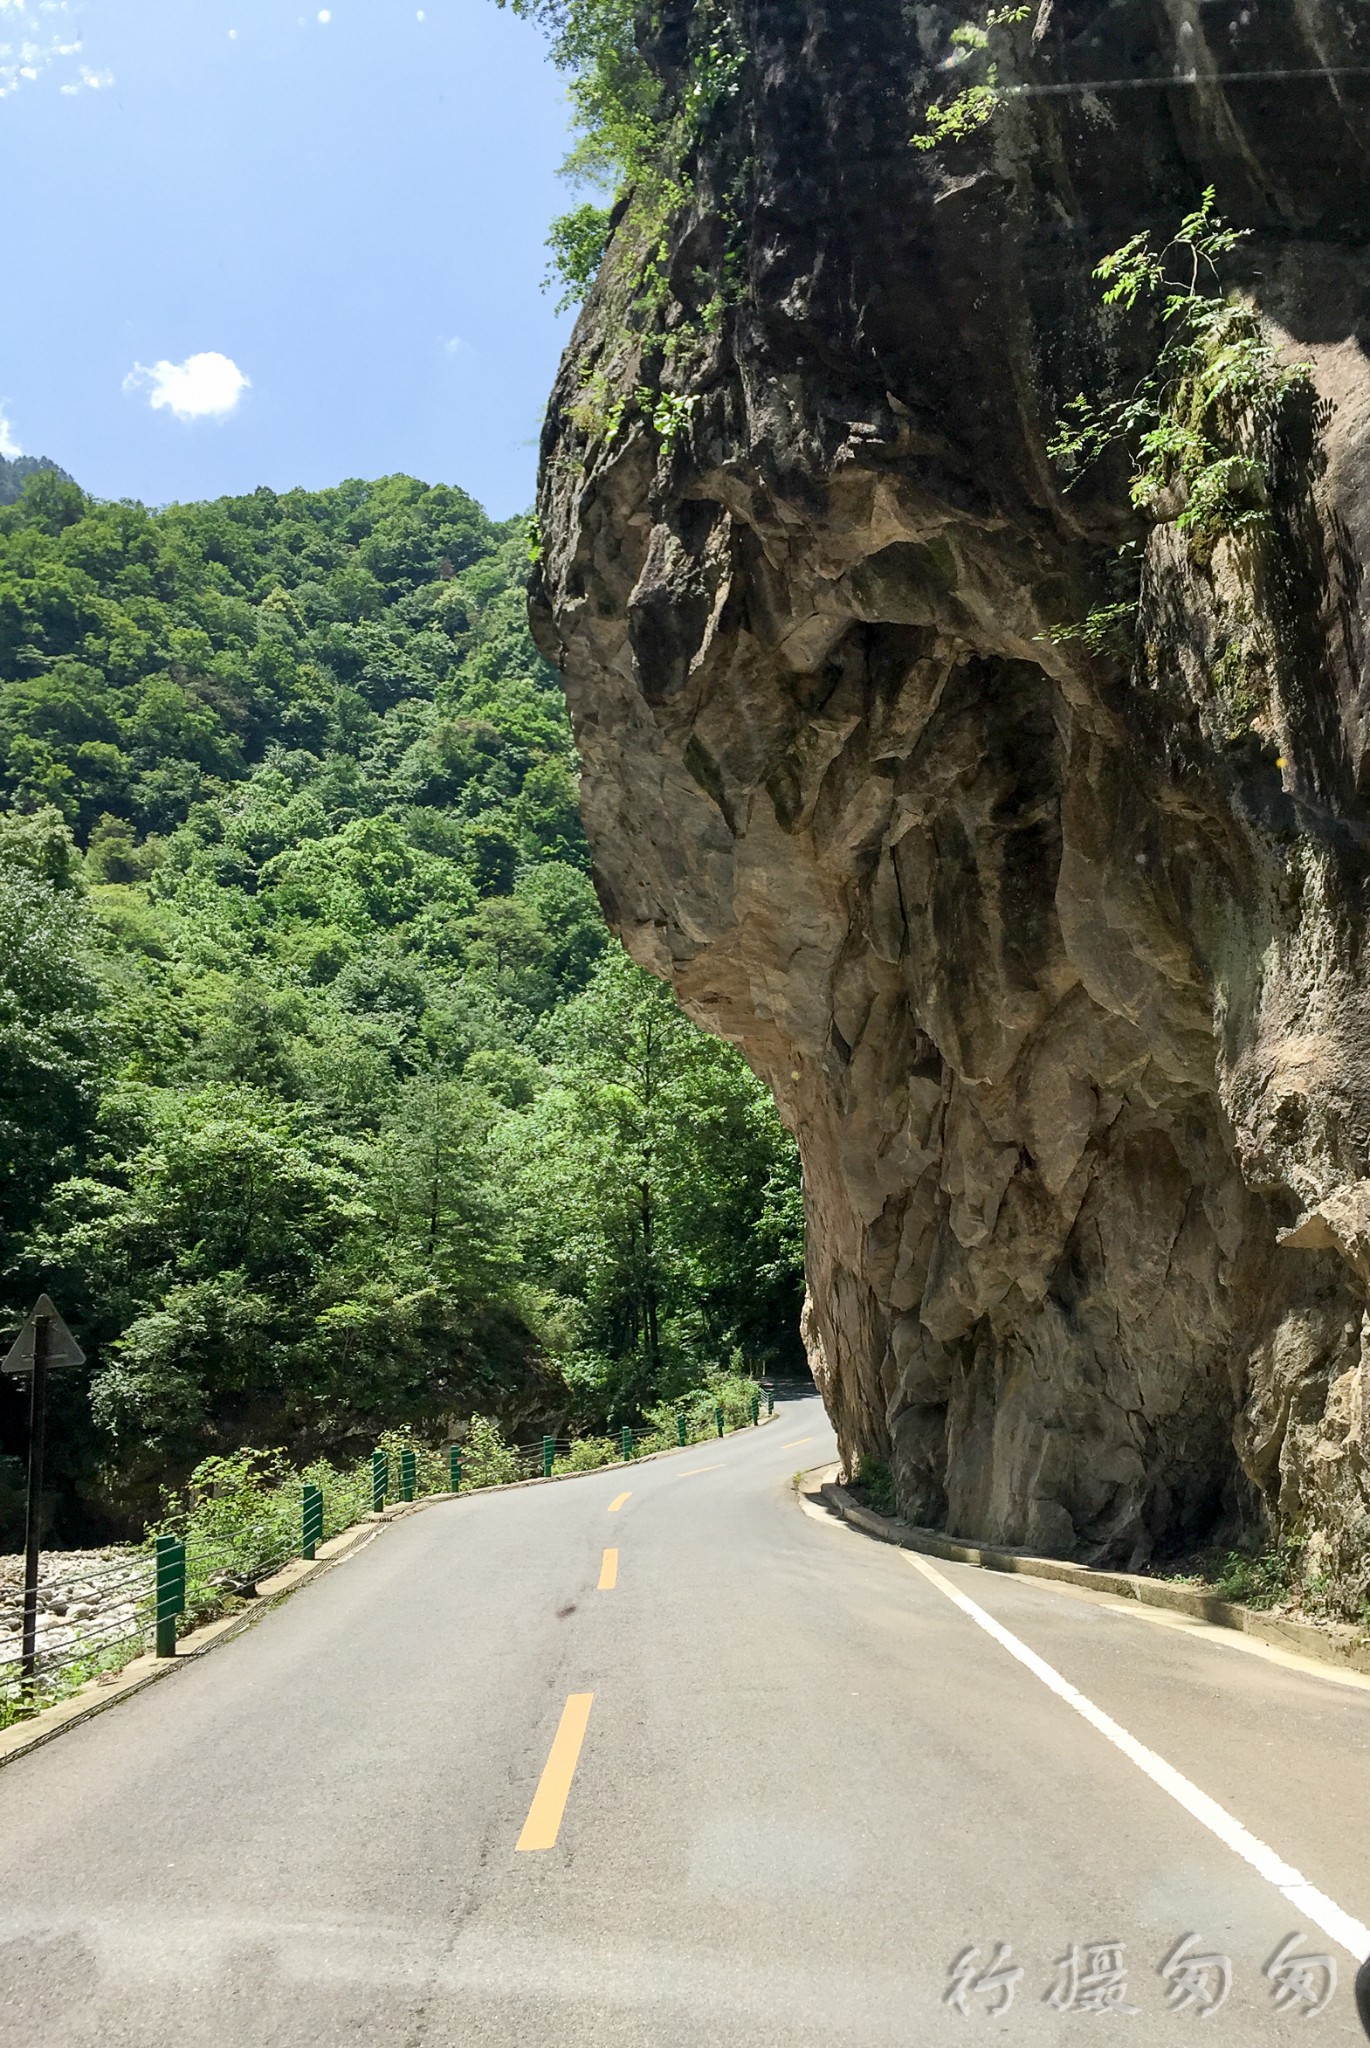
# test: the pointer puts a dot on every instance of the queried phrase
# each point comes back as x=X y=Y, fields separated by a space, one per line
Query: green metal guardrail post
x=454 y=1467
x=380 y=1481
x=681 y=1432
x=171 y=1591
x=718 y=1418
x=407 y=1475
x=770 y=1400
x=311 y=1521
x=756 y=1410
x=549 y=1456
x=627 y=1441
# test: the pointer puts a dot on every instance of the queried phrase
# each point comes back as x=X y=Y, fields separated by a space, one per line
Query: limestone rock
x=1054 y=961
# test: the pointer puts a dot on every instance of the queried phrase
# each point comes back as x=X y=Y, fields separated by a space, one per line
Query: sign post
x=44 y=1345
x=311 y=1518
x=33 y=1507
x=171 y=1591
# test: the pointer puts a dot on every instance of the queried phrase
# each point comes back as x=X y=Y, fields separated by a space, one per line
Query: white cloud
x=455 y=346
x=35 y=35
x=87 y=80
x=9 y=447
x=324 y=15
x=203 y=387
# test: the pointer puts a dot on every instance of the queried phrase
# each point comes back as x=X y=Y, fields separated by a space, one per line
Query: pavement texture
x=784 y=1781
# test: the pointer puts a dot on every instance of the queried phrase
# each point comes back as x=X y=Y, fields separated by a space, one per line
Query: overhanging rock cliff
x=1054 y=957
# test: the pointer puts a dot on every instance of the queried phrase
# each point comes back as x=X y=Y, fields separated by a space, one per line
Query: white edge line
x=1314 y=1905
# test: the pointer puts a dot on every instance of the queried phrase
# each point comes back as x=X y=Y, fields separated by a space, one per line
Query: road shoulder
x=1333 y=1650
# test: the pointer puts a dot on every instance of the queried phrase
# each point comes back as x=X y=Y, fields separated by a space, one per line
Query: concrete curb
x=1330 y=1645
x=99 y=1694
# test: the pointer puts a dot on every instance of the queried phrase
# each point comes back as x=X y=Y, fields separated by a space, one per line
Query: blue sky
x=344 y=207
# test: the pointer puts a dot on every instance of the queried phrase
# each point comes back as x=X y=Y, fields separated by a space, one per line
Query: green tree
x=51 y=1037
x=430 y=1185
x=646 y=1177
x=327 y=1107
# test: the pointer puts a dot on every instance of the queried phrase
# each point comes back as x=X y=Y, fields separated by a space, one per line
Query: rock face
x=1055 y=961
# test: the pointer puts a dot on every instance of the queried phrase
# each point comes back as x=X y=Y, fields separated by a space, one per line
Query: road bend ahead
x=664 y=1757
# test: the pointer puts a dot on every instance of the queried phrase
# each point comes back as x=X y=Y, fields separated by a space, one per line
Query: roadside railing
x=89 y=1615
x=210 y=1556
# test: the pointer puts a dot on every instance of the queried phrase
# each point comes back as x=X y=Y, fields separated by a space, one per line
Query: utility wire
x=1192 y=78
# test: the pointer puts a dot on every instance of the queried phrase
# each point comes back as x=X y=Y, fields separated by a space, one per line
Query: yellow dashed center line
x=695 y=1471
x=615 y=1505
x=543 y=1824
x=608 y=1572
x=798 y=1444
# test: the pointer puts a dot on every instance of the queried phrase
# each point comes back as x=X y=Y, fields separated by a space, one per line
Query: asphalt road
x=770 y=1781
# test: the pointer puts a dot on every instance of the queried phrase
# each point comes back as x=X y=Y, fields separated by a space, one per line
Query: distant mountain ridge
x=14 y=471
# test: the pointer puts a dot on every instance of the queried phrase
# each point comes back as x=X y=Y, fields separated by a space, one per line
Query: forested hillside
x=326 y=1102
x=15 y=471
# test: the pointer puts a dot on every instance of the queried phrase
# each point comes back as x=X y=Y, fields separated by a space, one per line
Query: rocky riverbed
x=87 y=1599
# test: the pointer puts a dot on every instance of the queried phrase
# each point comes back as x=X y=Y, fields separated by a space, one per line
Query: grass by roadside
x=874 y=1487
x=53 y=1687
x=1280 y=1579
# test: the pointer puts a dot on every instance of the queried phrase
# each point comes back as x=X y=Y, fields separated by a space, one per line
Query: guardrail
x=132 y=1602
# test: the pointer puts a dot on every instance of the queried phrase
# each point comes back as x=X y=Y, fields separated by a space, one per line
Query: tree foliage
x=322 y=1108
x=635 y=133
x=615 y=97
x=976 y=52
x=655 y=1195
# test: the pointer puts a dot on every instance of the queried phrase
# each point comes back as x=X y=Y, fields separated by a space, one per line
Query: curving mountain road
x=753 y=1779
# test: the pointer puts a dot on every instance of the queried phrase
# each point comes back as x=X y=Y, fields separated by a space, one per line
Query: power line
x=1191 y=78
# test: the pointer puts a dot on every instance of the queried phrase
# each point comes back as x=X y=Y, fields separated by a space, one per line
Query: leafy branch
x=632 y=135
x=1196 y=425
x=974 y=107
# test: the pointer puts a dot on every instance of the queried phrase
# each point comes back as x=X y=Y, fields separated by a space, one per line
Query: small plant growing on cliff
x=716 y=68
x=576 y=243
x=599 y=408
x=1197 y=425
x=1108 y=628
x=669 y=413
x=974 y=107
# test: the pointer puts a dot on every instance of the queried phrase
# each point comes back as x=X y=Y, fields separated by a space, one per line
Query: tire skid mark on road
x=1350 y=1933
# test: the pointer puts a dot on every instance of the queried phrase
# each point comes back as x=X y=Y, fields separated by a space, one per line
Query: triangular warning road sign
x=63 y=1349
